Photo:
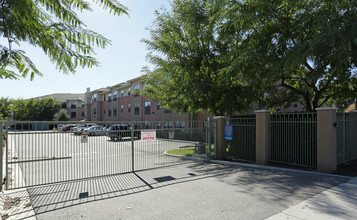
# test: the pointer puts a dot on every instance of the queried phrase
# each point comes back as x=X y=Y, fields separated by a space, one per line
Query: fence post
x=132 y=146
x=221 y=148
x=326 y=140
x=262 y=152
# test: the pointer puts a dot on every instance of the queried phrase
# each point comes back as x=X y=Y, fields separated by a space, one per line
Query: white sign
x=84 y=138
x=148 y=135
x=171 y=134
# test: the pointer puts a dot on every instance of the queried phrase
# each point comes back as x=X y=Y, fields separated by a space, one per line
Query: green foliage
x=222 y=55
x=5 y=108
x=297 y=51
x=52 y=26
x=191 y=60
x=35 y=109
x=61 y=115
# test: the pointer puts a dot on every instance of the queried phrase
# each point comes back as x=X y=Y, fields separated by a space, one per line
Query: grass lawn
x=185 y=151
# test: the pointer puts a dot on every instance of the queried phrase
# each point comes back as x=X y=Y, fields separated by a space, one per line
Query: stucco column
x=326 y=140
x=262 y=154
x=220 y=148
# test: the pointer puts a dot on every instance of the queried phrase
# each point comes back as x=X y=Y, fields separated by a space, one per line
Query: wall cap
x=326 y=109
x=263 y=111
x=217 y=117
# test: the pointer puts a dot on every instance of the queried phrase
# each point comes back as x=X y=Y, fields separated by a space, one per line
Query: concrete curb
x=256 y=166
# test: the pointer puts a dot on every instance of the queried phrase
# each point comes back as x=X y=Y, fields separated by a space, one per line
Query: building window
x=83 y=104
x=137 y=89
x=82 y=114
x=121 y=93
x=64 y=105
x=115 y=111
x=168 y=124
x=147 y=125
x=94 y=111
x=103 y=111
x=147 y=108
x=109 y=97
x=129 y=108
x=136 y=109
x=115 y=95
x=122 y=108
x=129 y=91
x=94 y=97
x=158 y=126
x=104 y=97
x=167 y=111
x=73 y=105
x=183 y=124
x=178 y=124
x=158 y=107
x=109 y=112
x=73 y=115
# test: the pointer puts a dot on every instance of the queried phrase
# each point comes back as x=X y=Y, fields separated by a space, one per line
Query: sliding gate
x=37 y=153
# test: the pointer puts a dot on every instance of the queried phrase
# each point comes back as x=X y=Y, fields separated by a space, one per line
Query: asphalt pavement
x=197 y=190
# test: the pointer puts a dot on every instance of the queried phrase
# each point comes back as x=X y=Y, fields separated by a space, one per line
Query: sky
x=119 y=62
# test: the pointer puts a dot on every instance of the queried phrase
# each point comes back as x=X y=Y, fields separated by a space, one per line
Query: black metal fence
x=346 y=137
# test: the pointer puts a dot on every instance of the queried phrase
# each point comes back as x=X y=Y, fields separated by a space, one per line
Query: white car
x=95 y=130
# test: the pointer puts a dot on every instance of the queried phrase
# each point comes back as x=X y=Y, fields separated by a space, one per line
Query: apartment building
x=73 y=103
x=122 y=102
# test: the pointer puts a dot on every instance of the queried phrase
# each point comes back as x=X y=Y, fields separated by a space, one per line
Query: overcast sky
x=121 y=61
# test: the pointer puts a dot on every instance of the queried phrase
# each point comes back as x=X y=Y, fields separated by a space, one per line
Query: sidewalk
x=339 y=202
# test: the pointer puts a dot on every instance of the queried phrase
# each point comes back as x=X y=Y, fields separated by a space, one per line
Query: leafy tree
x=296 y=51
x=191 y=57
x=61 y=115
x=52 y=26
x=5 y=108
x=35 y=109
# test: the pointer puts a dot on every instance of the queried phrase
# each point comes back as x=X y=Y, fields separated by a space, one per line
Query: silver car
x=95 y=130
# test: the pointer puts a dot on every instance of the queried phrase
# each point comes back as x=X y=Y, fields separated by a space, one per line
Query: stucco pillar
x=262 y=155
x=326 y=140
x=220 y=148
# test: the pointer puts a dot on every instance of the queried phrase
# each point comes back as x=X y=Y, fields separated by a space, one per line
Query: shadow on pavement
x=280 y=187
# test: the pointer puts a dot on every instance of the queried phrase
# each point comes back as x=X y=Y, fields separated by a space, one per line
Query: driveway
x=193 y=190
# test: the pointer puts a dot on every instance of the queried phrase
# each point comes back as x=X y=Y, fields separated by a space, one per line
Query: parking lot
x=51 y=157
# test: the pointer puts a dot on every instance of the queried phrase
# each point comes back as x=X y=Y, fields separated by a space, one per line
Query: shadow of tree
x=268 y=185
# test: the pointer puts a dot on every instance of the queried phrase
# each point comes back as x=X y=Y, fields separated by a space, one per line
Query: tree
x=190 y=59
x=52 y=26
x=35 y=109
x=61 y=115
x=5 y=108
x=296 y=51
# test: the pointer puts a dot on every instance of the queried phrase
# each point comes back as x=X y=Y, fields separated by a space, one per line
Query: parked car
x=78 y=129
x=59 y=127
x=120 y=131
x=68 y=127
x=95 y=130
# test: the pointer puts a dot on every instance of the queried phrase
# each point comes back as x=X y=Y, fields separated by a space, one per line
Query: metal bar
x=28 y=161
x=6 y=157
x=2 y=137
x=132 y=147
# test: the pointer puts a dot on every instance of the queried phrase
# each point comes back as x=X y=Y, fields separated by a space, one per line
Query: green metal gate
x=346 y=137
x=242 y=146
x=294 y=138
x=38 y=153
